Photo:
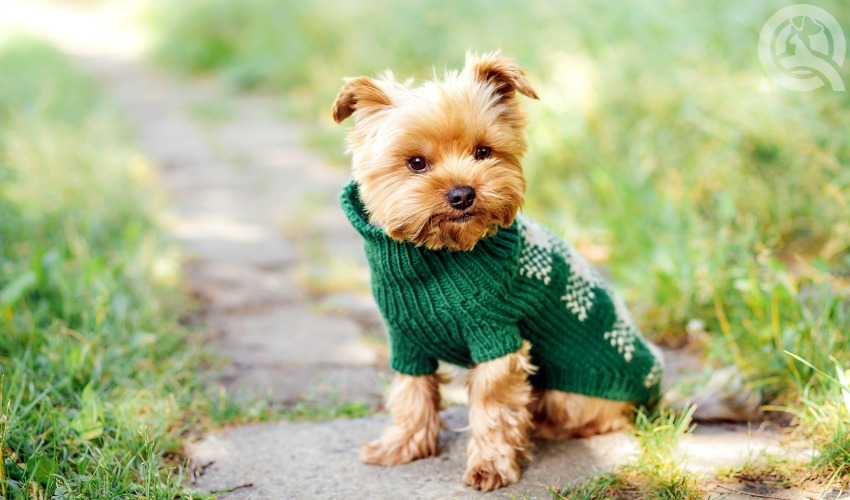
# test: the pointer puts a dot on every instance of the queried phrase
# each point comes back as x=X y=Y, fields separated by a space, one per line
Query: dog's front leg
x=499 y=395
x=415 y=404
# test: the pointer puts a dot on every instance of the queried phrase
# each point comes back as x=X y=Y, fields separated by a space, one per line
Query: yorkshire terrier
x=460 y=277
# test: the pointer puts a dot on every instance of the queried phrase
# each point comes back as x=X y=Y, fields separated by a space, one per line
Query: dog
x=460 y=277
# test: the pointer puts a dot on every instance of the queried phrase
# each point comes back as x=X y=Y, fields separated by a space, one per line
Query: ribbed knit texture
x=523 y=283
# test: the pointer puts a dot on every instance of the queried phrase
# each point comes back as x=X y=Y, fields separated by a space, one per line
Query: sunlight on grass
x=656 y=473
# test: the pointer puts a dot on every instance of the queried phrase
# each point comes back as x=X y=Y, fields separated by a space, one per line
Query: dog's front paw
x=396 y=451
x=489 y=475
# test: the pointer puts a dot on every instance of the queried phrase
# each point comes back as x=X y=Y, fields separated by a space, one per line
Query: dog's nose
x=461 y=197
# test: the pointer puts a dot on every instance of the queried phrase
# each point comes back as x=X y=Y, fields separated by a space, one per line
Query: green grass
x=659 y=145
x=655 y=473
x=100 y=382
x=99 y=379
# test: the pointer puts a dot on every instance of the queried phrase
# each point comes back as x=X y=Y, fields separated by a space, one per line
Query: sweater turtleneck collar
x=356 y=212
x=505 y=243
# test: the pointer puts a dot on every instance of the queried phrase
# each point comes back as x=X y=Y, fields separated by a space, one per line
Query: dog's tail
x=725 y=396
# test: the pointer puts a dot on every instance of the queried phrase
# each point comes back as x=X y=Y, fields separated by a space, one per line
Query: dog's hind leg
x=415 y=404
x=559 y=415
x=499 y=418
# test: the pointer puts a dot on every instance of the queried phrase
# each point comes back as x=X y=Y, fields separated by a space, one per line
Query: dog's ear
x=502 y=72
x=361 y=93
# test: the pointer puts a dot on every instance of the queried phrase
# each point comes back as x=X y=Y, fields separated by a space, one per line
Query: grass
x=100 y=379
x=655 y=473
x=658 y=143
x=83 y=399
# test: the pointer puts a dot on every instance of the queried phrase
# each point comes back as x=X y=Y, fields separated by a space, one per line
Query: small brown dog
x=461 y=278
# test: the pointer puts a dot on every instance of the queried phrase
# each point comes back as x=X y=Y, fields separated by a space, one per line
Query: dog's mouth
x=462 y=218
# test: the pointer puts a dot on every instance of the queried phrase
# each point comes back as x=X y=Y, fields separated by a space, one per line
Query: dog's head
x=439 y=164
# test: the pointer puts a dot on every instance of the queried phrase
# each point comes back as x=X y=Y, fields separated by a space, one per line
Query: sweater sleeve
x=491 y=341
x=407 y=359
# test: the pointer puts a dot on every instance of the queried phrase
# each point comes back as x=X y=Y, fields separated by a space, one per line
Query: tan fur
x=415 y=404
x=444 y=122
x=502 y=72
x=358 y=93
x=560 y=415
x=499 y=420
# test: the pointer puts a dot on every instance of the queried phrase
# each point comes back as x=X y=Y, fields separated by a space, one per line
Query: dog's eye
x=483 y=152
x=417 y=164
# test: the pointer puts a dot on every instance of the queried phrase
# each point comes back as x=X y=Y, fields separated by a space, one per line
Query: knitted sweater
x=522 y=283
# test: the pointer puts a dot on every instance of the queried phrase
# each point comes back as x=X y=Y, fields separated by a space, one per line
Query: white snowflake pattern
x=657 y=369
x=537 y=261
x=623 y=332
x=622 y=337
x=654 y=375
x=536 y=256
x=583 y=280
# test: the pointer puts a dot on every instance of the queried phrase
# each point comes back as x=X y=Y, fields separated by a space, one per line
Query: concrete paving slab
x=229 y=287
x=319 y=460
x=293 y=335
x=291 y=384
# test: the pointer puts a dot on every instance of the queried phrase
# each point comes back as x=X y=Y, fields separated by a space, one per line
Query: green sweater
x=522 y=283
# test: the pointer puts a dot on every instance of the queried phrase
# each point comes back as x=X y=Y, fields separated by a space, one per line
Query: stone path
x=281 y=274
x=319 y=460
